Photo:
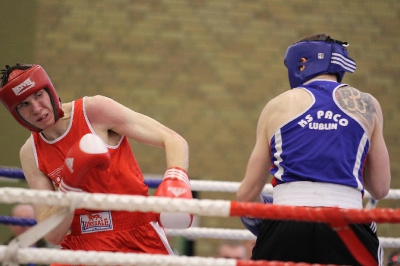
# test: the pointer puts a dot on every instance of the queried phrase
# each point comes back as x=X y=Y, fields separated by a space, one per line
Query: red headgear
x=23 y=83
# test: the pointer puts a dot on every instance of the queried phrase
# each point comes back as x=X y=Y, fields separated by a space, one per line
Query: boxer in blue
x=323 y=144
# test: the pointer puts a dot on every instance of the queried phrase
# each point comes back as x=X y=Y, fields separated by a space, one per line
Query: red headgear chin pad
x=23 y=83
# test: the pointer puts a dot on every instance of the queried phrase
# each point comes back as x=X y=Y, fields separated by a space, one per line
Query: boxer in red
x=83 y=146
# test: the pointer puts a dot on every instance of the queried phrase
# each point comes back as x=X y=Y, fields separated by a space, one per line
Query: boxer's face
x=37 y=109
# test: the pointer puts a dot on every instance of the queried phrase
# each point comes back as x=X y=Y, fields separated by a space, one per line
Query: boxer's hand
x=175 y=185
x=87 y=153
x=253 y=224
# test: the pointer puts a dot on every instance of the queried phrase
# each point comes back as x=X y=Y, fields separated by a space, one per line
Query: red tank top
x=122 y=177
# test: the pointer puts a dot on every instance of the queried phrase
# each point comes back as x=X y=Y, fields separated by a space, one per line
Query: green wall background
x=204 y=68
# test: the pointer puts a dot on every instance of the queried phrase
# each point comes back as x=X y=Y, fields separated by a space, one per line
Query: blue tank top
x=322 y=144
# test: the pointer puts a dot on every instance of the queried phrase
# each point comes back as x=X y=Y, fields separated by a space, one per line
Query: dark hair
x=6 y=72
x=322 y=37
x=316 y=37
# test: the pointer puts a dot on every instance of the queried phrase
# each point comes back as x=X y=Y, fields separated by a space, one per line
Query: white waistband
x=314 y=194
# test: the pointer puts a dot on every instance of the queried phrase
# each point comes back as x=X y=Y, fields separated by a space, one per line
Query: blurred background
x=204 y=68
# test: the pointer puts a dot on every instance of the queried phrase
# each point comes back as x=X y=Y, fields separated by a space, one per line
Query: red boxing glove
x=175 y=185
x=87 y=153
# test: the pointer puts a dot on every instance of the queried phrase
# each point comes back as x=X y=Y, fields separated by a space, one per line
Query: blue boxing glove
x=253 y=224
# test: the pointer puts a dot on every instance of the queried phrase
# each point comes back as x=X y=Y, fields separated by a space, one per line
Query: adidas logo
x=177 y=191
x=69 y=162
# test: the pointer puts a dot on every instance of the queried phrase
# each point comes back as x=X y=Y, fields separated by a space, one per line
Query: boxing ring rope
x=200 y=232
x=204 y=207
x=44 y=255
x=196 y=185
x=219 y=208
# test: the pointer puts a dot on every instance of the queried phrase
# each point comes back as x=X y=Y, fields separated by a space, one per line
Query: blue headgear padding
x=321 y=57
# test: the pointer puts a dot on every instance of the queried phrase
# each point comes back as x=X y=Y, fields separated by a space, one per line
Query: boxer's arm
x=257 y=171
x=37 y=180
x=106 y=114
x=377 y=176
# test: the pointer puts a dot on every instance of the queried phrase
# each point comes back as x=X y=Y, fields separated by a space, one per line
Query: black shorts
x=311 y=243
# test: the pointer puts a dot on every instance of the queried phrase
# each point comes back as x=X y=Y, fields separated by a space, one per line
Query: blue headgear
x=322 y=56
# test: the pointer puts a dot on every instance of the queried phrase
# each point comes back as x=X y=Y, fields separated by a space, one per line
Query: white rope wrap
x=215 y=233
x=216 y=186
x=228 y=186
x=42 y=255
x=389 y=242
x=95 y=201
x=19 y=254
x=45 y=255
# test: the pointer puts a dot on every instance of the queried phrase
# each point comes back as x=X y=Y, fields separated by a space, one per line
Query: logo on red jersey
x=69 y=162
x=96 y=222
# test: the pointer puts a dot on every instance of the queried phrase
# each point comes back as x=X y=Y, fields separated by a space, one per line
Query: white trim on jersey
x=360 y=151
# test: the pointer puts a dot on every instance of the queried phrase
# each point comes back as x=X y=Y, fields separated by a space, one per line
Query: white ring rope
x=97 y=201
x=229 y=186
x=45 y=255
x=216 y=233
x=16 y=252
x=115 y=202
